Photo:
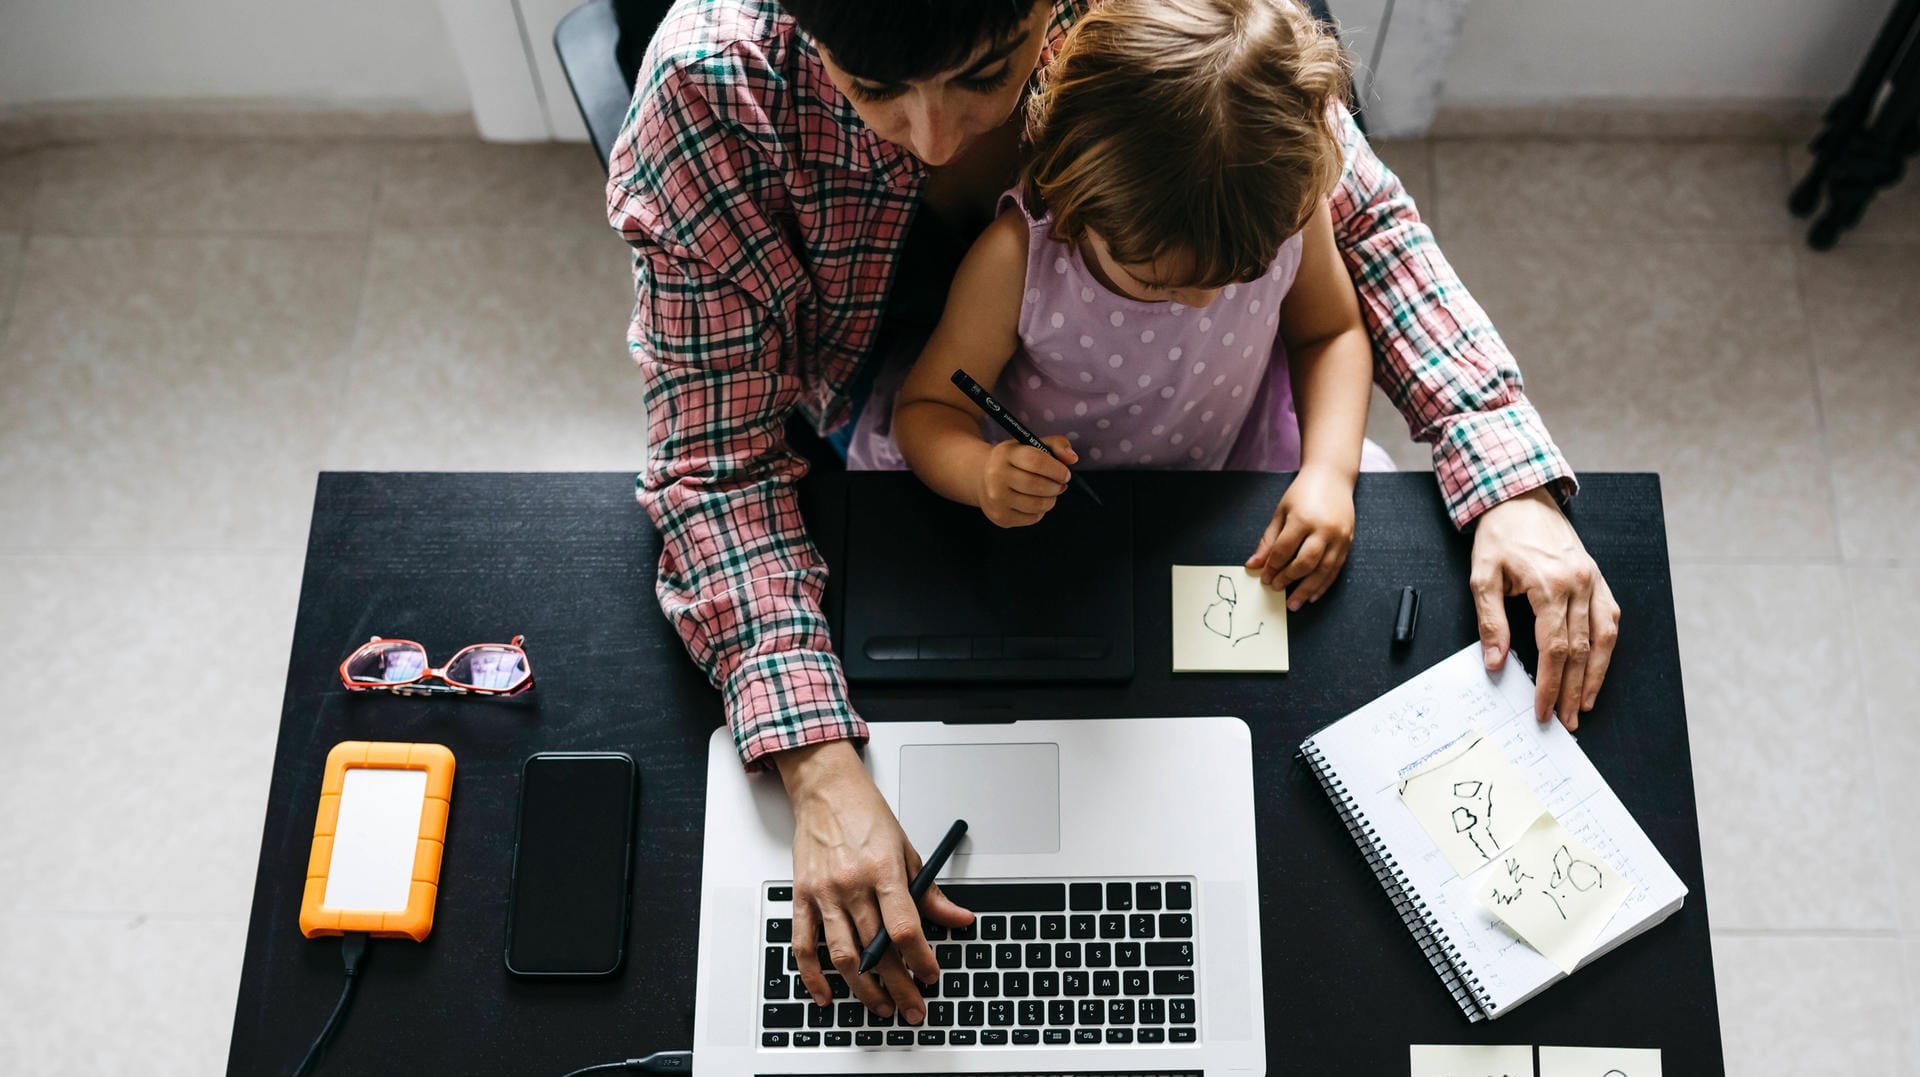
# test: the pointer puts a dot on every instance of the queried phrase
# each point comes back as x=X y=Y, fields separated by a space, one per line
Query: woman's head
x=1178 y=143
x=927 y=75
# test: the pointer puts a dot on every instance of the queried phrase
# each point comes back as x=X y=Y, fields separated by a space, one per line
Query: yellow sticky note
x=1599 y=1062
x=1472 y=802
x=1225 y=621
x=1470 y=1060
x=1554 y=892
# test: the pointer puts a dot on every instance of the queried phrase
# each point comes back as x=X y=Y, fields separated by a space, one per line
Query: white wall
x=1543 y=51
x=354 y=53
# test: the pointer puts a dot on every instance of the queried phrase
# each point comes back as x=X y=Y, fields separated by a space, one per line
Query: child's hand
x=1021 y=483
x=1309 y=536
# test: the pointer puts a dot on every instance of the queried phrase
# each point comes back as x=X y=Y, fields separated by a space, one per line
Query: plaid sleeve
x=1437 y=356
x=716 y=289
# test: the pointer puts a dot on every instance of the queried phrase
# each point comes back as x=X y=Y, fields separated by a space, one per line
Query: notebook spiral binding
x=1459 y=979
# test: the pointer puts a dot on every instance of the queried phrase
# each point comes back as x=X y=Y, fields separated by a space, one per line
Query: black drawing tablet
x=933 y=591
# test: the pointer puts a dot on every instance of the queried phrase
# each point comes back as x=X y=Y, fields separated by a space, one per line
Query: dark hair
x=1196 y=126
x=889 y=41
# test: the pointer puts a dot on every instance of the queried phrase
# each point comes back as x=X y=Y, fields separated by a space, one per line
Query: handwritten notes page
x=1472 y=802
x=1553 y=892
x=1401 y=734
x=1224 y=621
x=1599 y=1062
x=1470 y=1060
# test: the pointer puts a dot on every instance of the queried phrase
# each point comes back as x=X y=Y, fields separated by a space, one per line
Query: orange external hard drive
x=377 y=840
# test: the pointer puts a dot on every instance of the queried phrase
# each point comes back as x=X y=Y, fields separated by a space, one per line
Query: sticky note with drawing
x=1553 y=892
x=1471 y=801
x=1599 y=1062
x=1469 y=1060
x=1225 y=621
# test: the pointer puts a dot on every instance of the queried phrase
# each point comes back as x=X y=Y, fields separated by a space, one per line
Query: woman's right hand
x=1020 y=483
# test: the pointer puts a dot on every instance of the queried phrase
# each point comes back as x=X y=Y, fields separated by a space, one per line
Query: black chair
x=1867 y=134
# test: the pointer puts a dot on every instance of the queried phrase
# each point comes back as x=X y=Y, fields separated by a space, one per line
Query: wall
x=1545 y=51
x=340 y=53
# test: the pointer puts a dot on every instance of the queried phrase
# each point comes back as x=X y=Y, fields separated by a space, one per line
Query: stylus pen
x=1011 y=425
x=918 y=888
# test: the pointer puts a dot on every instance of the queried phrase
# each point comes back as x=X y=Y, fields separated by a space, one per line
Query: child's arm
x=938 y=428
x=1330 y=362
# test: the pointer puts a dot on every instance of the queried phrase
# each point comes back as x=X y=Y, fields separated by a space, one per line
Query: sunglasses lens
x=498 y=669
x=387 y=662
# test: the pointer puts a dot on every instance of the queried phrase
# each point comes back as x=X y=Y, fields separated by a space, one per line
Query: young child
x=1164 y=285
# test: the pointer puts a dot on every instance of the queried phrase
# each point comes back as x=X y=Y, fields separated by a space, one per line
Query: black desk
x=569 y=561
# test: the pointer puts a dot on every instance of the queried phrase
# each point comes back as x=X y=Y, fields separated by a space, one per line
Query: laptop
x=931 y=590
x=1112 y=870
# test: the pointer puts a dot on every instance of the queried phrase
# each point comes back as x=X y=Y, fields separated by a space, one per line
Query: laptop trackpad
x=1009 y=794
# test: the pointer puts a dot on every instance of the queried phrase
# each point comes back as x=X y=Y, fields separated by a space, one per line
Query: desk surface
x=569 y=561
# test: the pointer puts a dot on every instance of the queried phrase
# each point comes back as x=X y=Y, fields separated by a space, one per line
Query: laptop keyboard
x=1053 y=963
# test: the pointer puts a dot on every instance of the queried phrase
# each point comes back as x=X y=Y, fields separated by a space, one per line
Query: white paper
x=1599 y=1062
x=1472 y=802
x=1554 y=892
x=1225 y=621
x=1470 y=1060
x=375 y=840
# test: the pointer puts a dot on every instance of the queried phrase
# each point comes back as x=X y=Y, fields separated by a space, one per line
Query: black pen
x=918 y=888
x=985 y=401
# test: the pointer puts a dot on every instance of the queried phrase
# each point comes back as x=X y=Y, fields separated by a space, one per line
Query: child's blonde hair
x=1196 y=126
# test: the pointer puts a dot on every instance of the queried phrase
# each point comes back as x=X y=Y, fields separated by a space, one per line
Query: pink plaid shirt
x=766 y=221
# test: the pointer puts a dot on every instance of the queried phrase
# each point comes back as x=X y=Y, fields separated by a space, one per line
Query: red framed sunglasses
x=401 y=666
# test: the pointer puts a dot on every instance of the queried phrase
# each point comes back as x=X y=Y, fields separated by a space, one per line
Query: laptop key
x=837 y=987
x=1092 y=1011
x=1074 y=982
x=1173 y=982
x=973 y=1014
x=934 y=932
x=1014 y=984
x=1025 y=927
x=1086 y=1035
x=778 y=988
x=1182 y=1034
x=850 y=1015
x=900 y=1037
x=1026 y=1037
x=1120 y=1011
x=1135 y=982
x=1057 y=1035
x=979 y=956
x=931 y=990
x=986 y=984
x=1113 y=925
x=1119 y=1035
x=1039 y=955
x=1060 y=1012
x=1053 y=927
x=838 y=1039
x=1161 y=954
x=806 y=1039
x=1106 y=982
x=1152 y=1035
x=779 y=930
x=1066 y=955
x=779 y=893
x=1146 y=897
x=783 y=1015
x=1176 y=925
x=949 y=955
x=1000 y=1012
x=993 y=1037
x=954 y=985
x=820 y=1016
x=932 y=1037
x=1119 y=896
x=1007 y=955
x=776 y=961
x=868 y=1037
x=1081 y=927
x=964 y=934
x=940 y=1014
x=962 y=1037
x=800 y=989
x=1153 y=1011
x=993 y=928
x=1008 y=897
x=1033 y=1012
x=773 y=1039
x=1126 y=954
x=875 y=1020
x=1179 y=895
x=1180 y=1011
x=1099 y=955
x=1140 y=925
x=1046 y=984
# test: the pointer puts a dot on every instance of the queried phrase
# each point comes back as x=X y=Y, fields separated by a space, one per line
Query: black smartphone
x=572 y=864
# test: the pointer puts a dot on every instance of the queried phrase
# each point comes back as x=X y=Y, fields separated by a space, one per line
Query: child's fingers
x=1316 y=584
x=1026 y=482
x=1029 y=459
x=1028 y=504
x=1265 y=544
x=1062 y=448
x=1285 y=549
x=1307 y=558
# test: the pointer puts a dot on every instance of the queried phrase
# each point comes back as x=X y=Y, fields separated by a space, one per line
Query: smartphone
x=572 y=864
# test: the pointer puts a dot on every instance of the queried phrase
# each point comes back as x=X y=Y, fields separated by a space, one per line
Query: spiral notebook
x=1360 y=760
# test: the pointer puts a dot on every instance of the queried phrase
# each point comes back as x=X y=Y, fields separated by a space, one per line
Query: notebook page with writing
x=1366 y=754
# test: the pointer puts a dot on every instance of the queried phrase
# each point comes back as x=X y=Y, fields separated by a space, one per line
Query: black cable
x=657 y=1062
x=353 y=949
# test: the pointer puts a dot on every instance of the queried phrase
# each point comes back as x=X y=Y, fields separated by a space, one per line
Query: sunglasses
x=400 y=665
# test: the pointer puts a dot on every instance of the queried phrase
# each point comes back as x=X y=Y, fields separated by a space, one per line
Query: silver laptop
x=1112 y=869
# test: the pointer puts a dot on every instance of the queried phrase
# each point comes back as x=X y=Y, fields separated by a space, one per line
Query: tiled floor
x=190 y=329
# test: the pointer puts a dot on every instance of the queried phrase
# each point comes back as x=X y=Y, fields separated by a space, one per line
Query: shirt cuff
x=789 y=700
x=1487 y=457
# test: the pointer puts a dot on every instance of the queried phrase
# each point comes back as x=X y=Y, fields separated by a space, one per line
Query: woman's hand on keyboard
x=851 y=868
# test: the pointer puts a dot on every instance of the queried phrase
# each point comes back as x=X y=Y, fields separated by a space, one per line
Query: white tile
x=1412 y=161
x=19 y=179
x=489 y=186
x=1888 y=652
x=141 y=721
x=486 y=351
x=85 y=997
x=173 y=186
x=1783 y=764
x=172 y=391
x=1812 y=1007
